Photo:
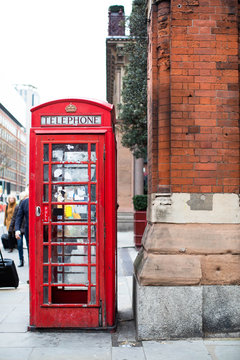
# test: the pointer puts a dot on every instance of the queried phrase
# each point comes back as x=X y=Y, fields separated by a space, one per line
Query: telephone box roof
x=104 y=104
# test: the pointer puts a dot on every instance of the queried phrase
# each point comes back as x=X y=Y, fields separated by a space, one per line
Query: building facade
x=187 y=273
x=116 y=62
x=31 y=98
x=12 y=154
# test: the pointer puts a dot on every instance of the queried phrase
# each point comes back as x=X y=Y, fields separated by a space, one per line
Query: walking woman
x=22 y=196
x=7 y=221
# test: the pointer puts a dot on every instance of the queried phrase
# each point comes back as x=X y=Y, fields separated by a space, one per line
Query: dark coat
x=12 y=225
x=23 y=211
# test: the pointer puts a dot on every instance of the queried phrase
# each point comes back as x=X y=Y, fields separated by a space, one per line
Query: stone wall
x=191 y=246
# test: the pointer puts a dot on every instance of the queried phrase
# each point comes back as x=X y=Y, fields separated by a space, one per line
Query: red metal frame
x=51 y=304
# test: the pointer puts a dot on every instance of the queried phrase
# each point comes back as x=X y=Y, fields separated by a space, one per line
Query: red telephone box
x=72 y=215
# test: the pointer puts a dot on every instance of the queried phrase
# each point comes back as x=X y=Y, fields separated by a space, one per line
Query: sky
x=58 y=46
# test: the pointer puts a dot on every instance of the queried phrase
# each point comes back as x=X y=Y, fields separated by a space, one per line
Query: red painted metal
x=72 y=215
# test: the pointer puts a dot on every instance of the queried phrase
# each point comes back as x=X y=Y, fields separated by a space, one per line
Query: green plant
x=133 y=109
x=116 y=8
x=140 y=202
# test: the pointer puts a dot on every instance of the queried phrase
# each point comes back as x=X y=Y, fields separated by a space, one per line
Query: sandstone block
x=220 y=269
x=163 y=238
x=168 y=270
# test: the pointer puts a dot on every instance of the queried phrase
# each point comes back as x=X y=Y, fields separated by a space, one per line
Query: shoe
x=21 y=264
x=11 y=250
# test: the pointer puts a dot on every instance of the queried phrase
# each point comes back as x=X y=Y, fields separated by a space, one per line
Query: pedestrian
x=7 y=221
x=22 y=196
x=22 y=212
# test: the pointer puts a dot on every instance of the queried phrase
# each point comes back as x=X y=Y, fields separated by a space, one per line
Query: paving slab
x=10 y=327
x=227 y=349
x=12 y=296
x=125 y=239
x=177 y=350
x=125 y=335
x=14 y=353
x=83 y=339
x=220 y=342
x=85 y=353
x=124 y=300
x=127 y=353
x=227 y=352
x=27 y=340
x=16 y=316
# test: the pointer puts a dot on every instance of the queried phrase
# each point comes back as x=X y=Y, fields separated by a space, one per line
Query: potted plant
x=140 y=218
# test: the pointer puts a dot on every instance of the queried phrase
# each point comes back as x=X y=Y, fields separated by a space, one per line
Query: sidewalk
x=16 y=343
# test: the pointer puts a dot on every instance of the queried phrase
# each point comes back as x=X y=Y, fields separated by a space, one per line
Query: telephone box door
x=69 y=231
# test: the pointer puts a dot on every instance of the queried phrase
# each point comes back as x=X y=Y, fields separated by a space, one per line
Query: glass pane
x=93 y=213
x=70 y=275
x=57 y=152
x=93 y=296
x=45 y=274
x=60 y=250
x=93 y=233
x=67 y=193
x=93 y=275
x=93 y=152
x=70 y=152
x=45 y=152
x=93 y=192
x=70 y=173
x=76 y=231
x=45 y=172
x=57 y=212
x=70 y=233
x=93 y=172
x=93 y=254
x=45 y=254
x=76 y=152
x=45 y=295
x=45 y=233
x=45 y=192
x=70 y=213
x=71 y=254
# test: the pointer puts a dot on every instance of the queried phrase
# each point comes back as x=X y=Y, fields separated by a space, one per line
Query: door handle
x=38 y=211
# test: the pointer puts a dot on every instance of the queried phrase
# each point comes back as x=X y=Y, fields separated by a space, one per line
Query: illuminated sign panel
x=77 y=120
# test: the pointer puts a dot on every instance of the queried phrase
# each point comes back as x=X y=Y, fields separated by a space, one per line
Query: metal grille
x=70 y=226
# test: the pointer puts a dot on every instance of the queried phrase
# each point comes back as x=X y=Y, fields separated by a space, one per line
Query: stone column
x=187 y=273
x=138 y=176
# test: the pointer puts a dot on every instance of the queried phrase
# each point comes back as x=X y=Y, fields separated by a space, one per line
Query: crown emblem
x=71 y=108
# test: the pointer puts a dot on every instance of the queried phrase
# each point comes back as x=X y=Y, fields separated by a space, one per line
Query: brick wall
x=194 y=134
x=152 y=103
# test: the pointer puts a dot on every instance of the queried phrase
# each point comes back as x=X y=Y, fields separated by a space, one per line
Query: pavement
x=17 y=343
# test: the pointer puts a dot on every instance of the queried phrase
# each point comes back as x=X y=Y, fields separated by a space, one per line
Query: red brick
x=217 y=189
x=182 y=166
x=190 y=188
x=206 y=166
x=205 y=181
x=204 y=174
x=181 y=180
x=206 y=189
x=205 y=79
x=193 y=30
x=204 y=83
x=204 y=23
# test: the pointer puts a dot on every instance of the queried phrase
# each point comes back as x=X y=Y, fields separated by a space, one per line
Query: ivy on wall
x=133 y=110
